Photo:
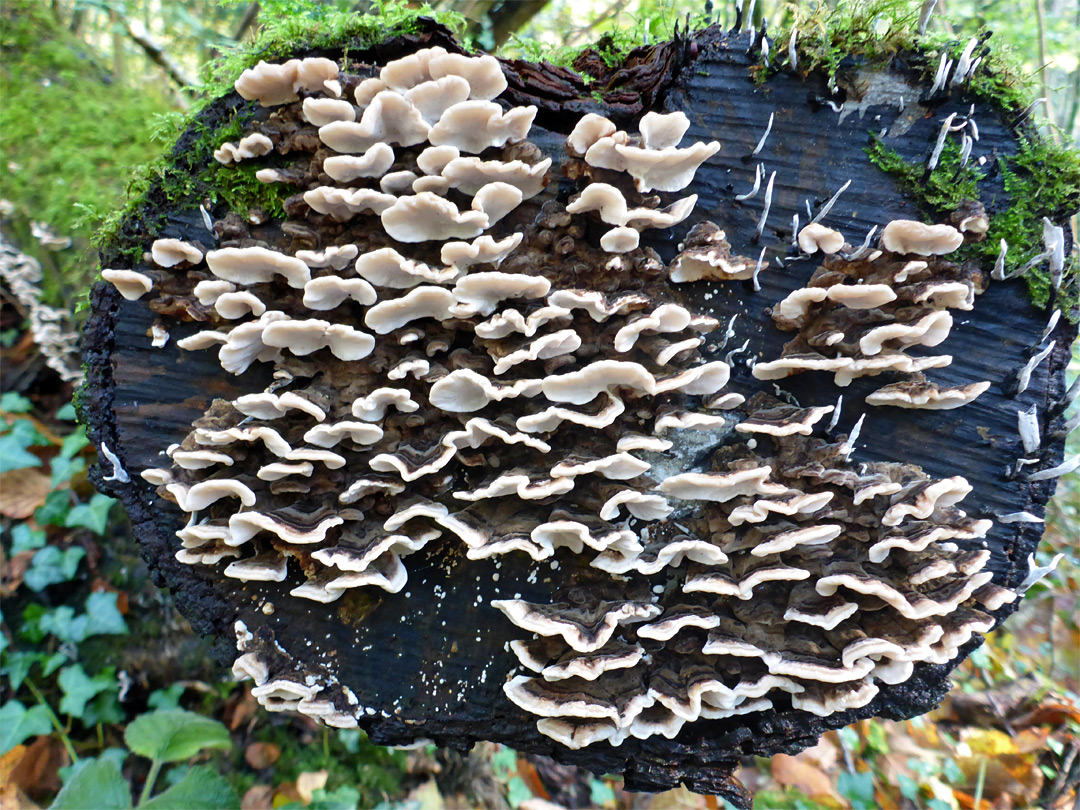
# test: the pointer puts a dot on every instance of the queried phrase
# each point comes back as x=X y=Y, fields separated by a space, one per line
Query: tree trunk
x=430 y=660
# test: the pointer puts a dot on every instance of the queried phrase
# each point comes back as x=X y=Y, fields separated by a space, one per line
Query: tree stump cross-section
x=645 y=431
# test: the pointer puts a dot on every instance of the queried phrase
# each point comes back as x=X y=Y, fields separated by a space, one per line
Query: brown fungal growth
x=857 y=316
x=488 y=346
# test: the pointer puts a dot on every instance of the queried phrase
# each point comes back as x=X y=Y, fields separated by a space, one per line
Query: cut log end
x=535 y=422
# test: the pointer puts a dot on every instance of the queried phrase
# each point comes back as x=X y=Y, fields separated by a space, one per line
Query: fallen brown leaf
x=9 y=760
x=13 y=572
x=799 y=772
x=11 y=798
x=239 y=708
x=37 y=773
x=310 y=781
x=258 y=797
x=261 y=755
x=285 y=793
x=22 y=491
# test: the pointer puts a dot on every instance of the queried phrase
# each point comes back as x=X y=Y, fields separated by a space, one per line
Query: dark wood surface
x=434 y=667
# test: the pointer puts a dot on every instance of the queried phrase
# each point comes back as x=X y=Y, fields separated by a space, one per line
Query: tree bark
x=433 y=667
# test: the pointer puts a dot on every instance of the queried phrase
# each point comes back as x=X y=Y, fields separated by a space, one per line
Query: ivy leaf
x=174 y=735
x=96 y=785
x=67 y=413
x=11 y=402
x=166 y=698
x=104 y=708
x=61 y=622
x=79 y=688
x=23 y=538
x=857 y=788
x=53 y=663
x=13 y=452
x=17 y=666
x=55 y=509
x=18 y=723
x=64 y=469
x=73 y=443
x=93 y=515
x=103 y=616
x=202 y=788
x=51 y=566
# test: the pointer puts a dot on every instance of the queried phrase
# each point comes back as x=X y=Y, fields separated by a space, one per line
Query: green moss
x=1040 y=180
x=872 y=33
x=942 y=189
x=321 y=26
x=72 y=138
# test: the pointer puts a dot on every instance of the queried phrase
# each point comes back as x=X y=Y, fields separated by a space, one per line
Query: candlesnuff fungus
x=488 y=369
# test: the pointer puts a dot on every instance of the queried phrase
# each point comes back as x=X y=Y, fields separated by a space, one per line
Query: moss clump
x=942 y=189
x=1040 y=180
x=320 y=26
x=873 y=32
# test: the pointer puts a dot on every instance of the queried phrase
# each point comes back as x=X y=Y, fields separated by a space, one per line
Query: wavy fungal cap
x=455 y=364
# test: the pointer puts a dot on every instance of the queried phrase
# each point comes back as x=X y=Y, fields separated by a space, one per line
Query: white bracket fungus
x=389 y=424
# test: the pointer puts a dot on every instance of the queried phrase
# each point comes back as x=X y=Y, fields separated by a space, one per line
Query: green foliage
x=858 y=789
x=174 y=735
x=201 y=788
x=79 y=689
x=162 y=737
x=16 y=439
x=71 y=138
x=344 y=798
x=94 y=785
x=1041 y=180
x=869 y=30
x=18 y=723
x=51 y=566
x=873 y=32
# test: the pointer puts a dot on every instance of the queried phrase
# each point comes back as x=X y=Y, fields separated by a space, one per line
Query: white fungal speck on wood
x=998 y=273
x=1066 y=467
x=119 y=474
x=768 y=204
x=1028 y=427
x=757 y=185
x=1037 y=572
x=768 y=129
x=1024 y=380
x=825 y=209
x=943 y=134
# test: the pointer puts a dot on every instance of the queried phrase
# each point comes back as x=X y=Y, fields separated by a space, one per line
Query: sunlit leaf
x=96 y=785
x=202 y=788
x=174 y=735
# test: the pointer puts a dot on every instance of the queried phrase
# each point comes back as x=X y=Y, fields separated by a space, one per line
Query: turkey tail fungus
x=460 y=400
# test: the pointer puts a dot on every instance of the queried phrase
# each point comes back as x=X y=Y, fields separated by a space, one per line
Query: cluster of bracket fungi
x=446 y=373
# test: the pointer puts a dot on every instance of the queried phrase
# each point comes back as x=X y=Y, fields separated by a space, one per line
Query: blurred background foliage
x=96 y=662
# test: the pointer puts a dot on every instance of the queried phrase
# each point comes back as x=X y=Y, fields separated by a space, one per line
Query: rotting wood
x=414 y=660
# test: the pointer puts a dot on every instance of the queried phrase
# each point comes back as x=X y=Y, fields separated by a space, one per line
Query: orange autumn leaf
x=799 y=773
x=261 y=755
x=22 y=491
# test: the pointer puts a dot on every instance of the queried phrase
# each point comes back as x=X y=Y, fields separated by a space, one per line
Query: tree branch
x=138 y=33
